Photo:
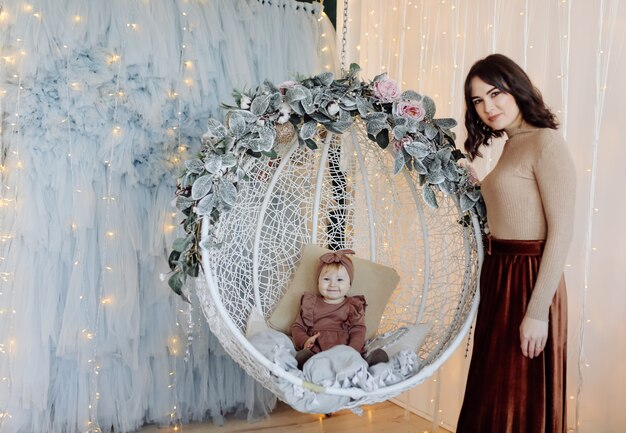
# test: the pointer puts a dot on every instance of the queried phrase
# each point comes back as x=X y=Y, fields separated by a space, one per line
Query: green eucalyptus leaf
x=259 y=105
x=429 y=196
x=321 y=116
x=420 y=167
x=429 y=106
x=307 y=105
x=466 y=203
x=382 y=139
x=213 y=163
x=237 y=124
x=339 y=127
x=193 y=270
x=180 y=244
x=172 y=260
x=410 y=95
x=430 y=131
x=348 y=101
x=308 y=130
x=206 y=205
x=450 y=172
x=175 y=282
x=227 y=192
x=374 y=126
x=311 y=144
x=481 y=210
x=201 y=187
x=275 y=100
x=296 y=107
x=229 y=160
x=399 y=132
x=447 y=187
x=246 y=115
x=398 y=163
x=267 y=132
x=215 y=129
x=295 y=94
x=326 y=78
x=380 y=77
x=194 y=165
x=435 y=177
x=474 y=194
x=272 y=154
x=445 y=123
x=258 y=145
x=183 y=202
x=417 y=149
x=241 y=173
x=361 y=106
x=376 y=116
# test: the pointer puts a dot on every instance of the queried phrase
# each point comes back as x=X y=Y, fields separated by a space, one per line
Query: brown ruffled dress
x=342 y=323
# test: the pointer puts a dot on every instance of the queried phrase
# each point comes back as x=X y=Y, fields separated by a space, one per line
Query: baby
x=331 y=318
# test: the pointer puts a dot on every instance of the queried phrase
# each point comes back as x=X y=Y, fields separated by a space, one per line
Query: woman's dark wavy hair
x=504 y=74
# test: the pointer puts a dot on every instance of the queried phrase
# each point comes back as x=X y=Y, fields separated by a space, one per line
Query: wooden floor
x=384 y=417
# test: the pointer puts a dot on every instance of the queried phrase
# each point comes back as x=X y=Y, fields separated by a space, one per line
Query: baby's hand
x=311 y=341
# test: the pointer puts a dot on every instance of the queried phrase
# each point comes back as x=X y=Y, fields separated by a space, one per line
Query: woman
x=517 y=378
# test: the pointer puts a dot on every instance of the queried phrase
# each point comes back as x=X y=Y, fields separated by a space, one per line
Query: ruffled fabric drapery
x=100 y=102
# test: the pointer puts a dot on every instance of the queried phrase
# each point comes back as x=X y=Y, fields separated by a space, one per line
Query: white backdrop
x=574 y=51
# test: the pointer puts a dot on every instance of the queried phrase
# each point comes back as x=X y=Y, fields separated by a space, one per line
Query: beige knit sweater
x=530 y=195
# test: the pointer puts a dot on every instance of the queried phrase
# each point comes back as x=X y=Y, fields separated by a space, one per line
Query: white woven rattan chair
x=257 y=193
x=343 y=195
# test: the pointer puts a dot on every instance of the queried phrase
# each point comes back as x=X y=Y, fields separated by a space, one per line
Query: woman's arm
x=556 y=180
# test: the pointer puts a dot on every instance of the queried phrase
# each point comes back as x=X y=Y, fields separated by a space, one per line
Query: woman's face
x=497 y=109
x=333 y=284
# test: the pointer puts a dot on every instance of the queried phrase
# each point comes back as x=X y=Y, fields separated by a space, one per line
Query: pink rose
x=410 y=108
x=398 y=145
x=285 y=85
x=385 y=90
x=472 y=177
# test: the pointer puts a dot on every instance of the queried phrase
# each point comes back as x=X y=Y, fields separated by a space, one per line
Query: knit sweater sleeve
x=556 y=179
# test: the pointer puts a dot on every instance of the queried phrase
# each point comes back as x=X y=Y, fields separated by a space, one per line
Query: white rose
x=245 y=102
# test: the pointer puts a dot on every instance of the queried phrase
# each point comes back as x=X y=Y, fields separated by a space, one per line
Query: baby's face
x=333 y=284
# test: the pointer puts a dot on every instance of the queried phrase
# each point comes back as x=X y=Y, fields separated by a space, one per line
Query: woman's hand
x=533 y=335
x=310 y=341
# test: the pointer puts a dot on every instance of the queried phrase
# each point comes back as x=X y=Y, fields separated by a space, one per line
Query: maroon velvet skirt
x=507 y=392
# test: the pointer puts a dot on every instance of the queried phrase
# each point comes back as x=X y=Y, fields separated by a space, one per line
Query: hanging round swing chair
x=337 y=164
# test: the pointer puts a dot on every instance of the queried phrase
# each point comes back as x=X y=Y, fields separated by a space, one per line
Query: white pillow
x=405 y=338
x=256 y=323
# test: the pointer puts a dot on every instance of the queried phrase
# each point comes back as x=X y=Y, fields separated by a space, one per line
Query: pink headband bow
x=337 y=257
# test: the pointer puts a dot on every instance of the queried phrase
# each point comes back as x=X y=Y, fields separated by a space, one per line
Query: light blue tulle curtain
x=100 y=101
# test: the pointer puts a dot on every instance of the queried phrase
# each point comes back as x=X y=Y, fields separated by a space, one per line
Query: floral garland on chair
x=402 y=122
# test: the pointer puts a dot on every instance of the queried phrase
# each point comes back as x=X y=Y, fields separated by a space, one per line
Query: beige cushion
x=375 y=282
